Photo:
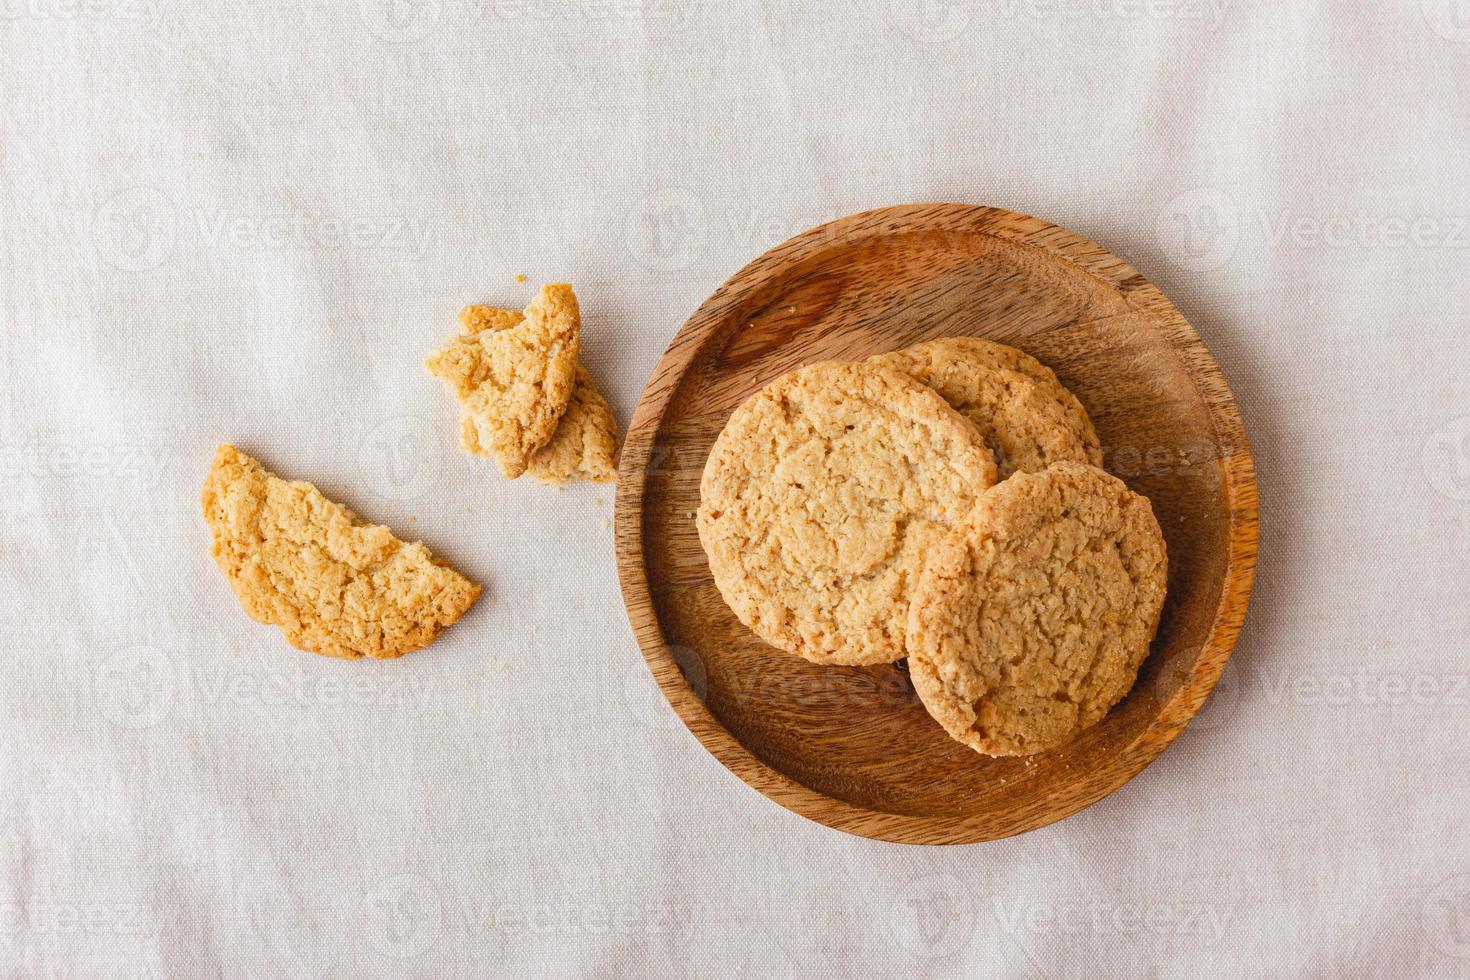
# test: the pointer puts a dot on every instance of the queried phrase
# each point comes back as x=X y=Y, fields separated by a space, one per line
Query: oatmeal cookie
x=821 y=498
x=1026 y=416
x=1031 y=619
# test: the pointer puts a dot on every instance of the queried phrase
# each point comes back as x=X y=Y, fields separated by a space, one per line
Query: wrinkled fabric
x=250 y=222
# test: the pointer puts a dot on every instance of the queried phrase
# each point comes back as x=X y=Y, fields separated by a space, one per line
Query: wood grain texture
x=852 y=747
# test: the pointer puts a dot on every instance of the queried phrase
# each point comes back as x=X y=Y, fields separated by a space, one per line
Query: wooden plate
x=852 y=747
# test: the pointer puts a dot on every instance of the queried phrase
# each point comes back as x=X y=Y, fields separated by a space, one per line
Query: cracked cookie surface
x=514 y=383
x=1027 y=417
x=334 y=584
x=820 y=499
x=585 y=444
x=1032 y=618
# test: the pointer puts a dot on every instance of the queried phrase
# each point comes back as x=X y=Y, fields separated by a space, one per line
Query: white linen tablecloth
x=248 y=220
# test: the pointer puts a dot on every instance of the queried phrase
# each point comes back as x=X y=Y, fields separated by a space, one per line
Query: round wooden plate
x=852 y=747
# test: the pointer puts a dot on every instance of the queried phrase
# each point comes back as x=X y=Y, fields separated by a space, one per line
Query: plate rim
x=1237 y=474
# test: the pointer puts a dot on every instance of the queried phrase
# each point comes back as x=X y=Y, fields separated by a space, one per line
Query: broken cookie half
x=489 y=386
x=334 y=584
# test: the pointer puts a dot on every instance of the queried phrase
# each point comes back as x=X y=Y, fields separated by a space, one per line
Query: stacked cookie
x=942 y=504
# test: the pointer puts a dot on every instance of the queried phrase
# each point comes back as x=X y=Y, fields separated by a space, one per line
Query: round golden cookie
x=821 y=498
x=1032 y=617
x=1027 y=417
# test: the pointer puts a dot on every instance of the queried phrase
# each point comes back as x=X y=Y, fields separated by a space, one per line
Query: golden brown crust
x=585 y=444
x=820 y=498
x=1032 y=618
x=334 y=584
x=474 y=319
x=515 y=383
x=1026 y=416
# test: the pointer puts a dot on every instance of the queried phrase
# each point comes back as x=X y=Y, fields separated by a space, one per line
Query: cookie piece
x=515 y=383
x=335 y=585
x=1031 y=619
x=820 y=499
x=1026 y=416
x=585 y=444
